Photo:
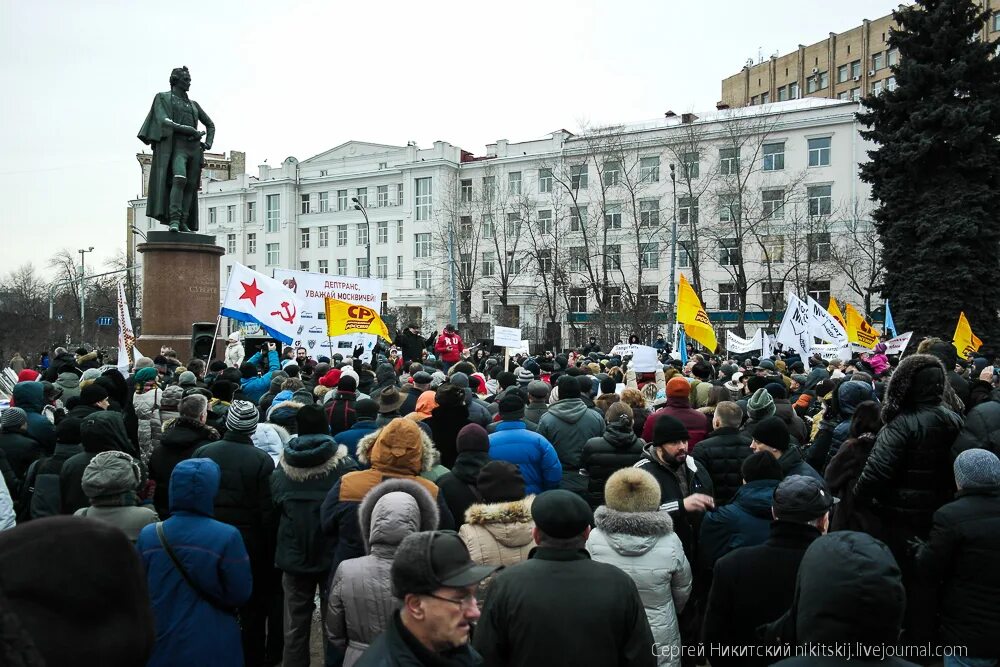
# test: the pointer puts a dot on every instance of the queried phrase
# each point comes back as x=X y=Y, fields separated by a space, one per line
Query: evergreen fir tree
x=935 y=173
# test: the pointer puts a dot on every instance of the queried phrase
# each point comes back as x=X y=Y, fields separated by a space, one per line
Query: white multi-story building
x=572 y=234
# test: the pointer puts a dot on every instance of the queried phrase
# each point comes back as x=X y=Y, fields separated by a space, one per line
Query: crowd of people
x=443 y=508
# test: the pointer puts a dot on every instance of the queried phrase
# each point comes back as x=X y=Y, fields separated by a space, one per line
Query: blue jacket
x=30 y=397
x=743 y=522
x=353 y=435
x=255 y=387
x=189 y=630
x=531 y=452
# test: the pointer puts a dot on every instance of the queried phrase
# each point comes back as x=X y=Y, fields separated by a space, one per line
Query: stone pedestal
x=180 y=286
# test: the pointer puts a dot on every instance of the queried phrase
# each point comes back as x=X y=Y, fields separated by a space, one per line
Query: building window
x=382 y=267
x=304 y=239
x=890 y=83
x=362 y=234
x=465 y=264
x=324 y=266
x=513 y=264
x=382 y=232
x=774 y=248
x=251 y=211
x=843 y=74
x=793 y=91
x=399 y=194
x=782 y=94
x=489 y=187
x=877 y=88
x=465 y=190
x=341 y=267
x=687 y=210
x=361 y=267
x=362 y=197
x=892 y=55
x=465 y=227
x=996 y=24
x=649 y=255
x=252 y=267
x=687 y=254
x=422 y=279
x=690 y=165
x=399 y=267
x=423 y=198
x=577 y=218
x=774 y=156
x=271 y=258
x=341 y=200
x=729 y=208
x=273 y=209
x=819 y=290
x=545 y=260
x=729 y=252
x=212 y=216
x=649 y=169
x=489 y=263
x=878 y=61
x=728 y=298
x=422 y=245
x=341 y=235
x=855 y=94
x=486 y=303
x=819 y=246
x=545 y=221
x=613 y=299
x=649 y=297
x=399 y=231
x=229 y=273
x=856 y=69
x=304 y=265
x=649 y=213
x=231 y=244
x=773 y=204
x=772 y=295
x=231 y=213
x=824 y=80
x=765 y=98
x=545 y=180
x=488 y=230
x=754 y=100
x=843 y=95
x=578 y=299
x=819 y=152
x=812 y=85
x=820 y=199
x=381 y=196
x=324 y=202
x=578 y=176
x=465 y=302
x=303 y=203
x=612 y=173
x=513 y=224
x=613 y=256
x=729 y=161
x=251 y=244
x=577 y=258
x=514 y=183
x=613 y=216
x=324 y=237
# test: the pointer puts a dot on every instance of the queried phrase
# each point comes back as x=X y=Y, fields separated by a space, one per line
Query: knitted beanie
x=761 y=405
x=12 y=419
x=242 y=417
x=500 y=482
x=678 y=387
x=472 y=438
x=977 y=469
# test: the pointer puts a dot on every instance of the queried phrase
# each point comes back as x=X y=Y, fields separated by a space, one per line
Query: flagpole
x=211 y=351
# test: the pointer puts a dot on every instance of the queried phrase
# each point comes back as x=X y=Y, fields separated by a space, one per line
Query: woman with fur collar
x=632 y=534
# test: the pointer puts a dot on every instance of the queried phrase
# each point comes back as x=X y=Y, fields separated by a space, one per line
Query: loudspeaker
x=201 y=339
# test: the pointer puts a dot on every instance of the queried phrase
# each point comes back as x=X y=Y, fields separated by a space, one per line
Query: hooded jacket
x=189 y=630
x=111 y=482
x=235 y=352
x=697 y=423
x=271 y=439
x=459 y=485
x=178 y=441
x=102 y=431
x=744 y=522
x=361 y=602
x=981 y=428
x=618 y=448
x=30 y=397
x=149 y=425
x=537 y=459
x=568 y=424
x=850 y=395
x=70 y=383
x=340 y=411
x=644 y=546
x=498 y=533
x=722 y=455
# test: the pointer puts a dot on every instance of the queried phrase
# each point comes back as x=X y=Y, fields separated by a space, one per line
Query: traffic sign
x=105 y=321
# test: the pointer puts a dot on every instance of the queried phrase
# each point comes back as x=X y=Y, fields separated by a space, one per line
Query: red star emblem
x=250 y=291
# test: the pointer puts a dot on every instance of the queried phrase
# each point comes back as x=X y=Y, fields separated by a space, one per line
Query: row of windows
x=772 y=294
x=344 y=202
x=819 y=200
x=421 y=242
x=821 y=80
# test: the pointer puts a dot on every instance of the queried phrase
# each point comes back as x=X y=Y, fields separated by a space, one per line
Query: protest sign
x=898 y=344
x=794 y=331
x=508 y=337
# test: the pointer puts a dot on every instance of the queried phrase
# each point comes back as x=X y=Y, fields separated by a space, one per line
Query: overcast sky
x=289 y=77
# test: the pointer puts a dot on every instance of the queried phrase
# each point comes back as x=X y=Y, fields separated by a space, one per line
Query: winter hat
x=532 y=367
x=668 y=429
x=776 y=390
x=351 y=372
x=538 y=389
x=13 y=419
x=460 y=380
x=390 y=400
x=568 y=387
x=561 y=513
x=761 y=465
x=68 y=431
x=92 y=394
x=224 y=390
x=27 y=375
x=234 y=337
x=427 y=560
x=772 y=432
x=331 y=378
x=801 y=379
x=977 y=469
x=500 y=482
x=110 y=474
x=144 y=375
x=242 y=417
x=311 y=419
x=881 y=348
x=303 y=396
x=187 y=379
x=472 y=438
x=90 y=375
x=761 y=405
x=422 y=378
x=632 y=490
x=511 y=406
x=366 y=408
x=347 y=383
x=450 y=395
x=678 y=387
x=524 y=376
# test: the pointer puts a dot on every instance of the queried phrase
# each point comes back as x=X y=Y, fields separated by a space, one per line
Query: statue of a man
x=171 y=129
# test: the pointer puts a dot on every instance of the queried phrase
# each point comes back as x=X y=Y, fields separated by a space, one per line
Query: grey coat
x=568 y=424
x=361 y=602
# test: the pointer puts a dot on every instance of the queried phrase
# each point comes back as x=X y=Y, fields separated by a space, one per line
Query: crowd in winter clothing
x=443 y=509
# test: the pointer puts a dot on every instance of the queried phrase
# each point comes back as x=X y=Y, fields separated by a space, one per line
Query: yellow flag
x=344 y=318
x=858 y=329
x=834 y=310
x=964 y=340
x=694 y=318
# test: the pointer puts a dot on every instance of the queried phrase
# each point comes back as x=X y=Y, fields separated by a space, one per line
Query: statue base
x=180 y=286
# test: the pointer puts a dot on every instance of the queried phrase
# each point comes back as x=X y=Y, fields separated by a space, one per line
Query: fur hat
x=632 y=490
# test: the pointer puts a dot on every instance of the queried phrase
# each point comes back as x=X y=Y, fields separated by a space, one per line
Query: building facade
x=570 y=235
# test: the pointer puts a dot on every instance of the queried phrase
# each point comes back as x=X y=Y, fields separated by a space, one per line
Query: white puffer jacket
x=234 y=353
x=645 y=547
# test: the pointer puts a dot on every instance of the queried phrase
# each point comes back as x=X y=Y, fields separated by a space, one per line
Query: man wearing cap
x=771 y=436
x=560 y=607
x=568 y=425
x=754 y=585
x=435 y=580
x=678 y=406
x=389 y=402
x=538 y=401
x=244 y=501
x=419 y=383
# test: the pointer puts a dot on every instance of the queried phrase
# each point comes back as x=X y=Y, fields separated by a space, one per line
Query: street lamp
x=83 y=273
x=368 y=237
x=673 y=255
x=136 y=230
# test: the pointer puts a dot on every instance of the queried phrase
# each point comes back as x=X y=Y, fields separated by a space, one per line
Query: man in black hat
x=560 y=607
x=436 y=580
x=752 y=586
x=771 y=435
x=390 y=400
x=511 y=409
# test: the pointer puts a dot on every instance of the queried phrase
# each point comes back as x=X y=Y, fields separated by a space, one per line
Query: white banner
x=794 y=330
x=644 y=359
x=898 y=344
x=623 y=350
x=313 y=288
x=823 y=325
x=737 y=345
x=508 y=337
x=768 y=350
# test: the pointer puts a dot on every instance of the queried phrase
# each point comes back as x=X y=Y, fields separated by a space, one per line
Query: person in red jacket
x=449 y=346
x=697 y=423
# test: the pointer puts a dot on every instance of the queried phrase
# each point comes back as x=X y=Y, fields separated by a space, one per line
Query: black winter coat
x=981 y=429
x=792 y=464
x=605 y=455
x=459 y=486
x=397 y=647
x=961 y=555
x=445 y=423
x=21 y=451
x=181 y=437
x=411 y=345
x=841 y=476
x=722 y=455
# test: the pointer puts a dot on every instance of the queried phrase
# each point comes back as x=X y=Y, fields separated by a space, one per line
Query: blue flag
x=889 y=324
x=682 y=345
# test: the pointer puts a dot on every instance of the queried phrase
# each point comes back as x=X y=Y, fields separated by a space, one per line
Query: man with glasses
x=436 y=580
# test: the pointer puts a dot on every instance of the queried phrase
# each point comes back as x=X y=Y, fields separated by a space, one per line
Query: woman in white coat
x=632 y=534
x=234 y=351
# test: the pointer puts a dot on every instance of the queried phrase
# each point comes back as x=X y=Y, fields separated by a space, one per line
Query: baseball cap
x=430 y=560
x=800 y=498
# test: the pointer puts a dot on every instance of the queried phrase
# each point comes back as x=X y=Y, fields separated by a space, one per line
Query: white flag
x=127 y=351
x=253 y=297
x=823 y=325
x=898 y=344
x=794 y=331
x=737 y=345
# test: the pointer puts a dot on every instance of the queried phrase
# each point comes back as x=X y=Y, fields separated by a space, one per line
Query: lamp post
x=83 y=273
x=673 y=255
x=368 y=237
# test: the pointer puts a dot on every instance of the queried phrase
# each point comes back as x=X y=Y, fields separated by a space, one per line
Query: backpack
x=41 y=495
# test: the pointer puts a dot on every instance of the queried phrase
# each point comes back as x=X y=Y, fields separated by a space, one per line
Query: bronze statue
x=171 y=129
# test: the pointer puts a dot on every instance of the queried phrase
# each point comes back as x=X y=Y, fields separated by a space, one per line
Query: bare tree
x=453 y=228
x=23 y=301
x=858 y=254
